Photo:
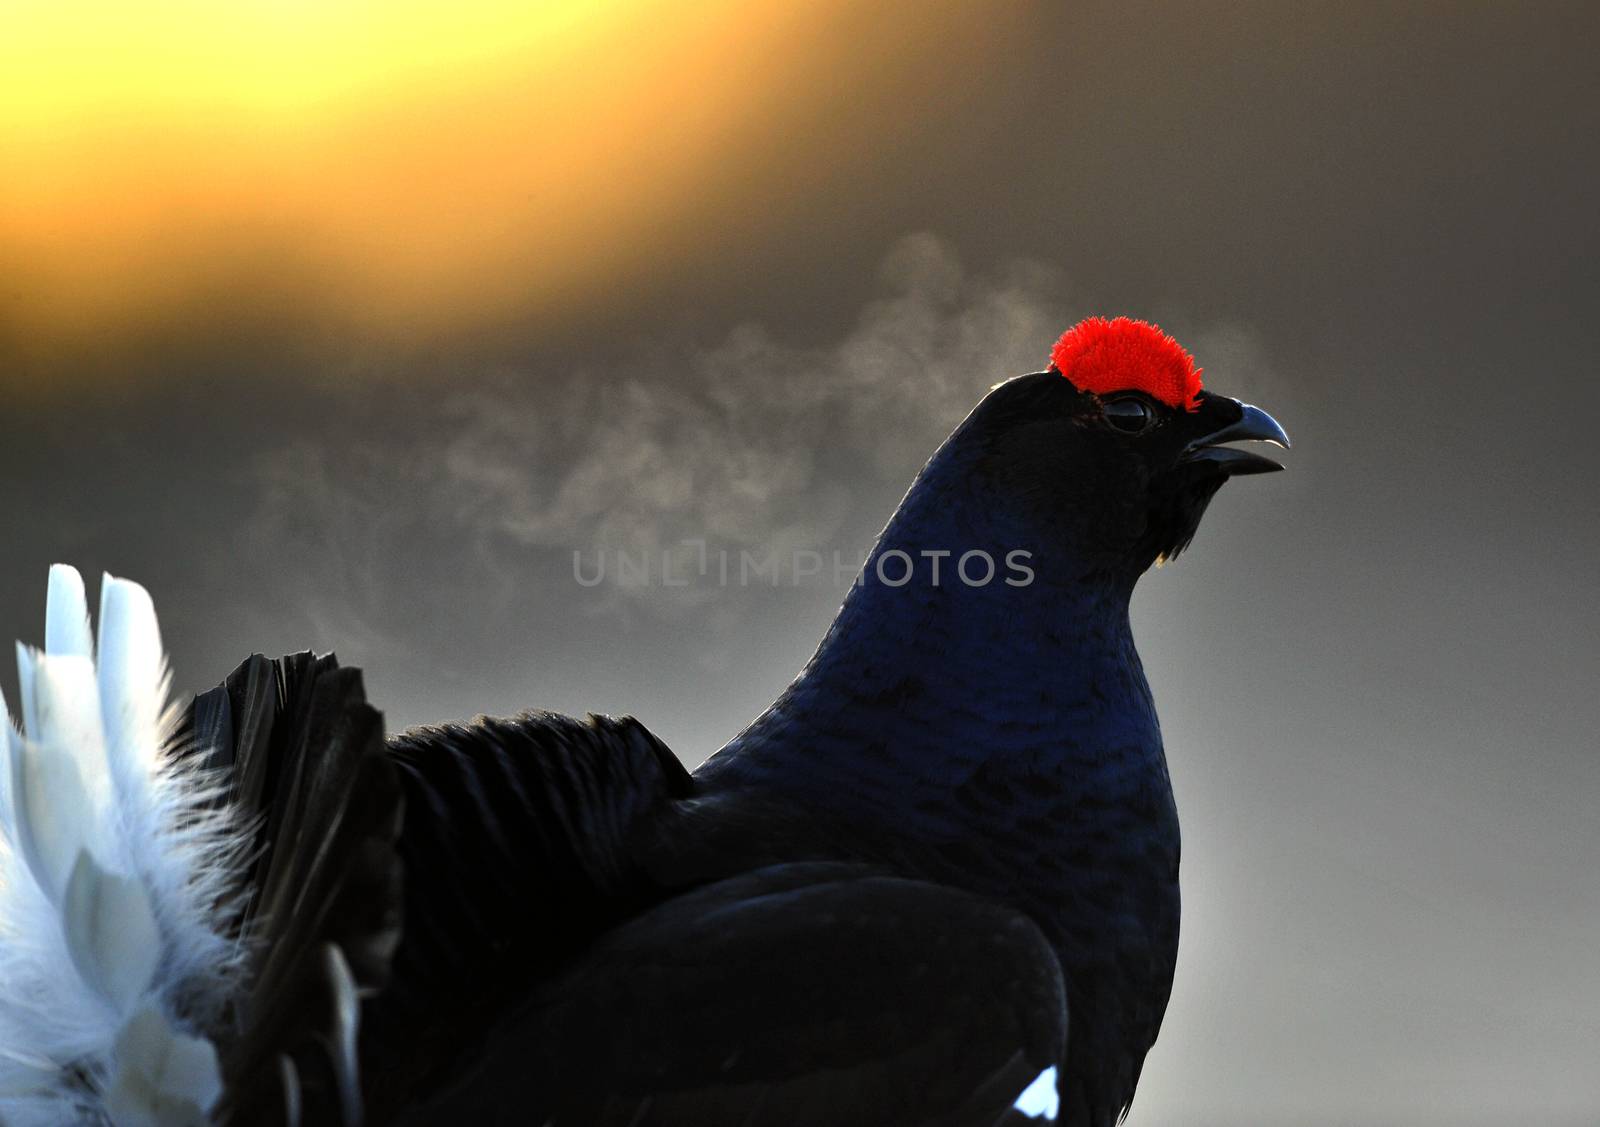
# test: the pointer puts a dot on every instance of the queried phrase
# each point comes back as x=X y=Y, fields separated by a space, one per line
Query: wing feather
x=793 y=995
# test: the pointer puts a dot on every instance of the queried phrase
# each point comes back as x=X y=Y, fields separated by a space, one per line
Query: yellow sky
x=405 y=162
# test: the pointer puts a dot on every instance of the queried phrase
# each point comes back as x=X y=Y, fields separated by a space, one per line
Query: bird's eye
x=1129 y=414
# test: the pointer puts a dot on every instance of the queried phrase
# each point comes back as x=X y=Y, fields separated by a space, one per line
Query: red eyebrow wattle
x=1104 y=356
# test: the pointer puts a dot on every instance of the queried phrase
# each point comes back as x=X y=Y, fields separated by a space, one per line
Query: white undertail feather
x=118 y=864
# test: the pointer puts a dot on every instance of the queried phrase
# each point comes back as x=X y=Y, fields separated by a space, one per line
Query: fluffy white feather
x=116 y=866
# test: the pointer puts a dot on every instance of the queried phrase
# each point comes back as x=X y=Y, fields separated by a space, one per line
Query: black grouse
x=936 y=882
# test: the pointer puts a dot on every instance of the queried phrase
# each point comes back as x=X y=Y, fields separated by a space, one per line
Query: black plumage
x=322 y=892
x=942 y=863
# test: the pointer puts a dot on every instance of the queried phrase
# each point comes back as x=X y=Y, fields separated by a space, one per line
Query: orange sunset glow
x=405 y=166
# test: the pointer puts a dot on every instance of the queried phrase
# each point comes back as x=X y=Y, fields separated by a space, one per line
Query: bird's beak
x=1253 y=425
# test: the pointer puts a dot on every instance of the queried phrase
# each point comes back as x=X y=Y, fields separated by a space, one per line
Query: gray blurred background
x=1378 y=673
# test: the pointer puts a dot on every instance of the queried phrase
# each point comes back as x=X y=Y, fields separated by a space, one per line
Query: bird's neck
x=924 y=693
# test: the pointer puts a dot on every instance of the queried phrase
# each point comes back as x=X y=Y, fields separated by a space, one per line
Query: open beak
x=1253 y=425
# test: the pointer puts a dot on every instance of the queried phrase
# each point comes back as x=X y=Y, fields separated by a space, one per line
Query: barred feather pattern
x=120 y=861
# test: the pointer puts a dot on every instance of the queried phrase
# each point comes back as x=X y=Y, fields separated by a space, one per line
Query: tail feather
x=66 y=615
x=192 y=905
x=116 y=869
x=307 y=759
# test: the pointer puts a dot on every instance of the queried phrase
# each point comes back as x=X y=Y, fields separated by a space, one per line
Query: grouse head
x=1114 y=451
